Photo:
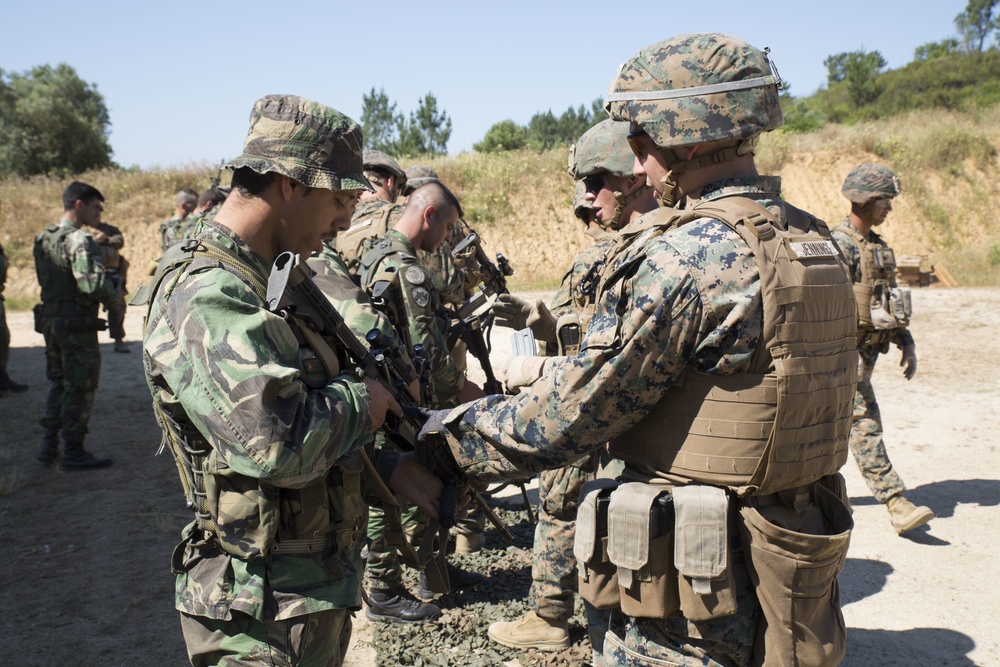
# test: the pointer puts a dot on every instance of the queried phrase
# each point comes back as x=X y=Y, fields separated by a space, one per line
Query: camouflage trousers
x=553 y=565
x=383 y=566
x=116 y=310
x=866 y=441
x=319 y=639
x=726 y=641
x=72 y=365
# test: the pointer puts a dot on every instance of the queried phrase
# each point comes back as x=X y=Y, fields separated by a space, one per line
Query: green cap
x=870 y=181
x=696 y=89
x=305 y=140
x=602 y=148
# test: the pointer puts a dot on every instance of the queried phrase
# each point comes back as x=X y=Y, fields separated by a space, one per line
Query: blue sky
x=179 y=78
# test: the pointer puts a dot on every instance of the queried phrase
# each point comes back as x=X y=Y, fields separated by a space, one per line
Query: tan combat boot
x=907 y=516
x=531 y=631
x=469 y=544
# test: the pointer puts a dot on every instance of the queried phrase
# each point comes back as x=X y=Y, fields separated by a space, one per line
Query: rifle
x=218 y=175
x=291 y=291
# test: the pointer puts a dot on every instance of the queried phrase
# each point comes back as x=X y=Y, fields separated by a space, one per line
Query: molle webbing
x=863 y=290
x=785 y=423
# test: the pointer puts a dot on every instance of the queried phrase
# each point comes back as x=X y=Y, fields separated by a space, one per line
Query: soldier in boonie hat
x=305 y=140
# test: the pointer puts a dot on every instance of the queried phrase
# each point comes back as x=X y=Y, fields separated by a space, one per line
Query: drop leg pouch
x=598 y=576
x=795 y=579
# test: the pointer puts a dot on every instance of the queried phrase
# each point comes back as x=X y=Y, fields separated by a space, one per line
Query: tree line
x=53 y=122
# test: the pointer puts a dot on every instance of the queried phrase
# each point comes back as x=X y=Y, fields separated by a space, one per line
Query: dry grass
x=520 y=202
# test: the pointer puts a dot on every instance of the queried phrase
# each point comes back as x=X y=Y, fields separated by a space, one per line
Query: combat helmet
x=417 y=175
x=604 y=149
x=378 y=161
x=696 y=89
x=870 y=181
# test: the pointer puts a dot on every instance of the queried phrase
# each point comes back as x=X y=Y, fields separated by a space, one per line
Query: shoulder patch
x=415 y=275
x=421 y=296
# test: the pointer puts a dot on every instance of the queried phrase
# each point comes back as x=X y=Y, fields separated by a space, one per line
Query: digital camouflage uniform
x=74 y=284
x=116 y=267
x=672 y=300
x=864 y=183
x=271 y=562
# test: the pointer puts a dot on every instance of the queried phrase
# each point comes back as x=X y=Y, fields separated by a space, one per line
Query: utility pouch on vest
x=598 y=582
x=569 y=333
x=640 y=544
x=348 y=510
x=40 y=320
x=794 y=551
x=702 y=556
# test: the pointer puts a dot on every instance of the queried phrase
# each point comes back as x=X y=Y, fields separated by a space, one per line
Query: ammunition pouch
x=795 y=544
x=598 y=576
x=569 y=333
x=41 y=322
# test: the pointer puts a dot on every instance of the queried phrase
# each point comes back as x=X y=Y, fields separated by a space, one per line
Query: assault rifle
x=291 y=291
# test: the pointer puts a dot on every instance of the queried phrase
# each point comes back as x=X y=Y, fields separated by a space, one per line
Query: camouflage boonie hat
x=378 y=159
x=305 y=140
x=699 y=88
x=602 y=148
x=870 y=181
x=580 y=204
x=417 y=175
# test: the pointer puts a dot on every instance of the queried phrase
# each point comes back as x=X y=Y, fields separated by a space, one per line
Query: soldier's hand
x=99 y=236
x=381 y=403
x=516 y=313
x=522 y=371
x=419 y=485
x=909 y=361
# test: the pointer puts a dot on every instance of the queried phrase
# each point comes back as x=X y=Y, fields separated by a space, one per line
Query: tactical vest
x=786 y=422
x=356 y=241
x=249 y=523
x=60 y=295
x=881 y=305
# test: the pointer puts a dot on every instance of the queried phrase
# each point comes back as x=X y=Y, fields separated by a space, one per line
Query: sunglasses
x=594 y=183
x=634 y=138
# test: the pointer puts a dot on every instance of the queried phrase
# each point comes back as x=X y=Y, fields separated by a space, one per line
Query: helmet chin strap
x=623 y=200
x=676 y=167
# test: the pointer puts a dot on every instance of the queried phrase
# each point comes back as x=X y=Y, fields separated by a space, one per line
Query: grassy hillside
x=520 y=202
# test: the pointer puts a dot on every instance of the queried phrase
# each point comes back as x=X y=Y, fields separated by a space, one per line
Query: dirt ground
x=85 y=564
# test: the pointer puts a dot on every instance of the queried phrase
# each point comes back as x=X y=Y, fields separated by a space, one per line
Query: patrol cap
x=417 y=175
x=378 y=160
x=305 y=140
x=698 y=88
x=870 y=181
x=602 y=148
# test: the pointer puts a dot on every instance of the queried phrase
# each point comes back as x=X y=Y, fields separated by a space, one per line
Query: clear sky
x=179 y=77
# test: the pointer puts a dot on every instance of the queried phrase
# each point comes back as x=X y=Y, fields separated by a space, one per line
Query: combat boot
x=75 y=457
x=907 y=516
x=10 y=386
x=531 y=631
x=457 y=580
x=469 y=544
x=121 y=346
x=395 y=605
x=50 y=447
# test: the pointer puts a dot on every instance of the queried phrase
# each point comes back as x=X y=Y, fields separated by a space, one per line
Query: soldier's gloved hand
x=516 y=313
x=432 y=434
x=523 y=371
x=909 y=360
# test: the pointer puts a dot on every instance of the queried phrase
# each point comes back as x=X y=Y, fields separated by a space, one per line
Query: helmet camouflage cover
x=304 y=140
x=580 y=204
x=870 y=181
x=602 y=148
x=380 y=160
x=698 y=88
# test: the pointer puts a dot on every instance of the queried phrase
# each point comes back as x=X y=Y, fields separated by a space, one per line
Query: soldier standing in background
x=719 y=365
x=270 y=451
x=110 y=242
x=73 y=284
x=185 y=202
x=7 y=385
x=601 y=162
x=883 y=313
x=209 y=203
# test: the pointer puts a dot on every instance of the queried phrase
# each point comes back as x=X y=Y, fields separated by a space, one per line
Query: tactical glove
x=523 y=371
x=516 y=313
x=909 y=360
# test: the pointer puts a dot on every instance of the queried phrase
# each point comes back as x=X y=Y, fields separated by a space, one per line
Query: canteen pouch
x=702 y=554
x=598 y=576
x=794 y=572
x=640 y=544
x=39 y=315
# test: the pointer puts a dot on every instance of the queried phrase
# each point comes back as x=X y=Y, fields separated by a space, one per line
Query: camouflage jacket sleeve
x=690 y=297
x=851 y=252
x=85 y=262
x=219 y=360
